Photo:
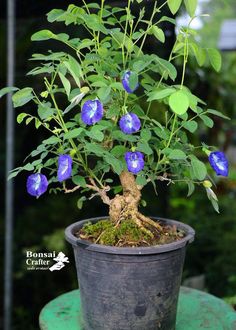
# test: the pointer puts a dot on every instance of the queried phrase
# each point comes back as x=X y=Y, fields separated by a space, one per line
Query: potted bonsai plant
x=127 y=123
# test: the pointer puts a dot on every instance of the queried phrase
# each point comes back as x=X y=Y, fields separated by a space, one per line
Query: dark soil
x=128 y=234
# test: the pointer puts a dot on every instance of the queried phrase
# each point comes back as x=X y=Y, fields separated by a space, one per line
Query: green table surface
x=196 y=310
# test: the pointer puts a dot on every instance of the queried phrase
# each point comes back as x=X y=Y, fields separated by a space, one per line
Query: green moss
x=109 y=236
x=96 y=228
x=105 y=232
x=127 y=233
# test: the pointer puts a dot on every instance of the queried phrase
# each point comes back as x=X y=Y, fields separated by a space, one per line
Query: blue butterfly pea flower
x=37 y=184
x=134 y=161
x=64 y=167
x=126 y=84
x=129 y=123
x=92 y=112
x=219 y=163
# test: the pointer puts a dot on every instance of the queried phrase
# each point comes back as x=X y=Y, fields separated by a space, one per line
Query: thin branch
x=68 y=191
x=102 y=192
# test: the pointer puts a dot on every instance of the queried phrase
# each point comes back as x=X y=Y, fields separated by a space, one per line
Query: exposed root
x=149 y=221
x=145 y=230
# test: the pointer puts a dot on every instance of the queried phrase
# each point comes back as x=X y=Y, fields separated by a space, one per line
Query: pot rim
x=189 y=238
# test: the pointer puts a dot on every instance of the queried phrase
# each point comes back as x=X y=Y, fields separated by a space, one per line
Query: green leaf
x=179 y=102
x=160 y=94
x=47 y=68
x=146 y=134
x=191 y=6
x=201 y=56
x=133 y=80
x=54 y=15
x=141 y=180
x=75 y=69
x=177 y=154
x=214 y=58
x=129 y=44
x=86 y=43
x=22 y=97
x=215 y=205
x=80 y=202
x=64 y=37
x=65 y=83
x=145 y=148
x=115 y=163
x=117 y=85
x=93 y=5
x=99 y=83
x=45 y=111
x=7 y=90
x=167 y=19
x=118 y=151
x=104 y=92
x=93 y=22
x=191 y=126
x=158 y=33
x=213 y=198
x=139 y=65
x=167 y=67
x=191 y=188
x=120 y=136
x=174 y=5
x=217 y=113
x=95 y=133
x=21 y=117
x=198 y=169
x=74 y=133
x=207 y=121
x=161 y=133
x=43 y=35
x=79 y=181
x=199 y=53
x=37 y=123
x=95 y=149
x=13 y=174
x=28 y=167
x=112 y=111
x=28 y=120
x=52 y=140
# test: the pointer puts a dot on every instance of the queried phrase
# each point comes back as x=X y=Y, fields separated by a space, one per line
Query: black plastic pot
x=129 y=288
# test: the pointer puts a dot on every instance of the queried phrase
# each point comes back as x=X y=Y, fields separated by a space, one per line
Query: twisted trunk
x=123 y=207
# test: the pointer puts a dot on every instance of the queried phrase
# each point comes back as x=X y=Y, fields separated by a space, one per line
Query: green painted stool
x=196 y=310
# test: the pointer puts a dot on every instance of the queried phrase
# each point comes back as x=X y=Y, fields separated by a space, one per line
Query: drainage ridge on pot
x=129 y=288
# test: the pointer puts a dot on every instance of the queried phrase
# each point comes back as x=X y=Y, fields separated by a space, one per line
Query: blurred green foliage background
x=39 y=224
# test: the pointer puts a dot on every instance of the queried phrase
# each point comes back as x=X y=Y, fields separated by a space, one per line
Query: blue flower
x=219 y=163
x=92 y=112
x=126 y=83
x=130 y=123
x=36 y=184
x=64 y=167
x=134 y=161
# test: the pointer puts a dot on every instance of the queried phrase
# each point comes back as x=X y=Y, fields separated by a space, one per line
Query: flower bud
x=207 y=184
